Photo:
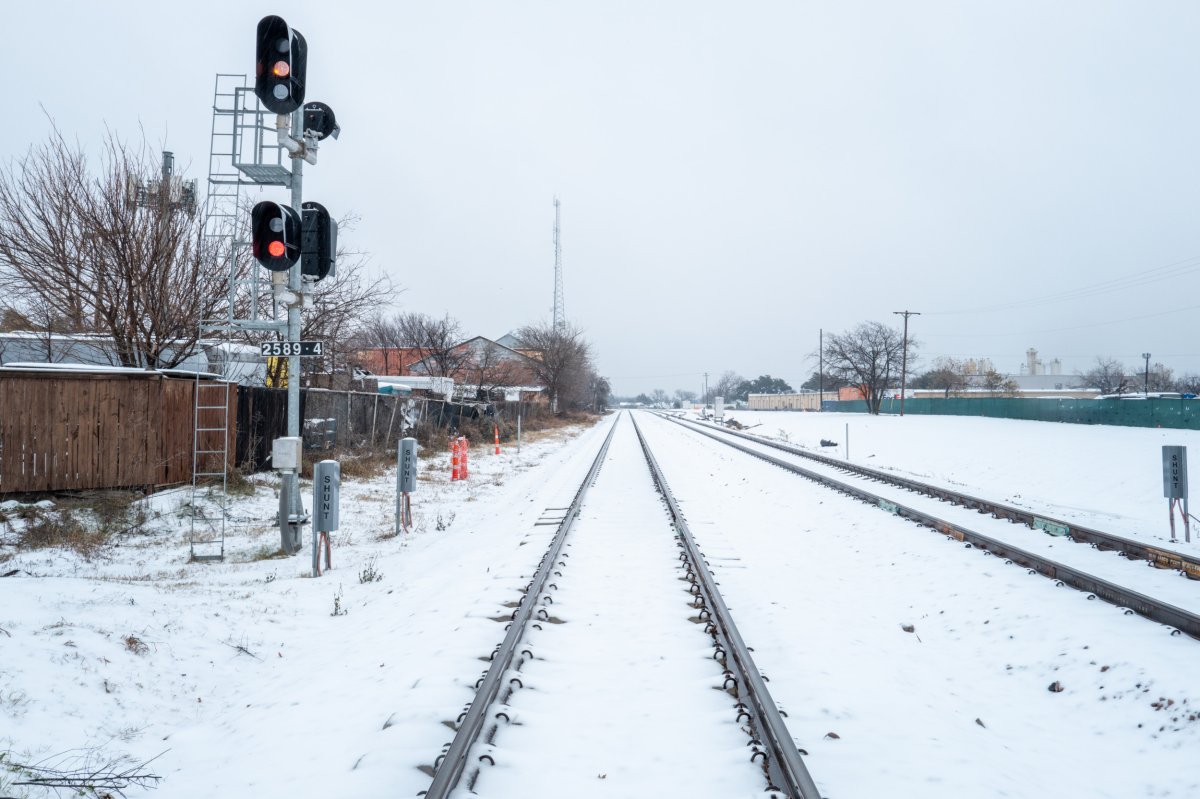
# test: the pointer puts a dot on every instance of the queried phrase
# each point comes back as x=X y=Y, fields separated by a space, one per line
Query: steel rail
x=1158 y=556
x=453 y=762
x=1125 y=598
x=783 y=765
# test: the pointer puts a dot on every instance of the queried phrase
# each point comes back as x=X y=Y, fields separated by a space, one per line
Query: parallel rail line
x=1159 y=556
x=1126 y=598
x=786 y=774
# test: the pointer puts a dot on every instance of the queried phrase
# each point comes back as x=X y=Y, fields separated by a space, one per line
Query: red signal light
x=275 y=235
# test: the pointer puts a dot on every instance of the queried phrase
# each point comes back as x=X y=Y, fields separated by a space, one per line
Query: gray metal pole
x=296 y=509
x=294 y=284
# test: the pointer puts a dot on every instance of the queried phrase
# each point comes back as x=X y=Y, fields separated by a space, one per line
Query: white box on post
x=287 y=453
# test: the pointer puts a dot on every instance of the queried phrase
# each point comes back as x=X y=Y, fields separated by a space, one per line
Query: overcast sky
x=734 y=177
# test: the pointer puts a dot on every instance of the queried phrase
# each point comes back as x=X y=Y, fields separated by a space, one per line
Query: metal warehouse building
x=804 y=401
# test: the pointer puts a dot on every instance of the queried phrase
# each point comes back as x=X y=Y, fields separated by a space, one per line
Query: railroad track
x=1129 y=599
x=480 y=730
x=1160 y=557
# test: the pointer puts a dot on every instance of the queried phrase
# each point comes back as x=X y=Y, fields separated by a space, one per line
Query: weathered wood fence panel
x=175 y=441
x=65 y=431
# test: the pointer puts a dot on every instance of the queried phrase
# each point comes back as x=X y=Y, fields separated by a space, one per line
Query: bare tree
x=1188 y=383
x=42 y=339
x=562 y=363
x=342 y=306
x=490 y=368
x=379 y=330
x=726 y=386
x=434 y=342
x=99 y=254
x=869 y=357
x=682 y=396
x=1162 y=378
x=947 y=375
x=1107 y=376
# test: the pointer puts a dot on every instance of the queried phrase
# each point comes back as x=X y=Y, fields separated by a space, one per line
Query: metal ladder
x=210 y=469
x=242 y=151
x=210 y=398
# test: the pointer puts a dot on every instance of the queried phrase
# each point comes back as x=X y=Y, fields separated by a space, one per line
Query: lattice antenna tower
x=560 y=319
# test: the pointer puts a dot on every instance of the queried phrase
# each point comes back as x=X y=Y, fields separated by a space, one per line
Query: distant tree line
x=871 y=357
x=1110 y=376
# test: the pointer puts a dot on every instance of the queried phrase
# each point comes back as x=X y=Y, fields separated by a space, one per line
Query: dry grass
x=264 y=553
x=238 y=484
x=62 y=529
x=114 y=511
x=367 y=465
x=135 y=645
x=353 y=465
x=83 y=522
x=557 y=425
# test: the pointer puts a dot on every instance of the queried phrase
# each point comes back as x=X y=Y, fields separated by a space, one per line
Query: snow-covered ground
x=1109 y=478
x=248 y=677
x=931 y=663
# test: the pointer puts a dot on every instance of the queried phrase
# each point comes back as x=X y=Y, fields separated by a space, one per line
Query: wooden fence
x=72 y=431
x=64 y=431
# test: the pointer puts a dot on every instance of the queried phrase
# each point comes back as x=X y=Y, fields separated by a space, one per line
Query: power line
x=651 y=377
x=1066 y=329
x=1146 y=277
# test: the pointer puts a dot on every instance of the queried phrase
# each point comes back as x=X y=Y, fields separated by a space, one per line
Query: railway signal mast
x=298 y=247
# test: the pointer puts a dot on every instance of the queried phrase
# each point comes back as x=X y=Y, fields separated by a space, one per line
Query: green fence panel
x=1179 y=414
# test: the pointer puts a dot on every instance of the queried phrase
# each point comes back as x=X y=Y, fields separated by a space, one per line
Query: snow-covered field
x=249 y=678
x=1109 y=478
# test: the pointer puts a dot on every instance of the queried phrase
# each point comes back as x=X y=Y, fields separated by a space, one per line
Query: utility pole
x=1146 y=385
x=904 y=357
x=705 y=400
x=821 y=369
